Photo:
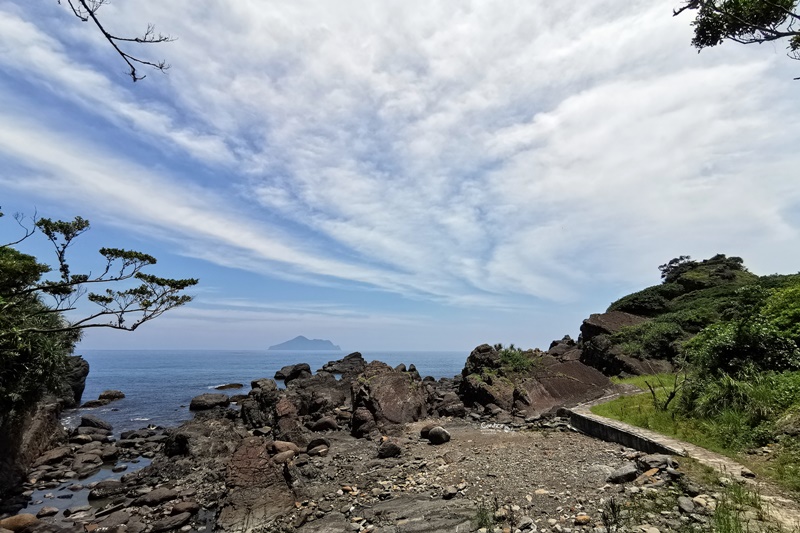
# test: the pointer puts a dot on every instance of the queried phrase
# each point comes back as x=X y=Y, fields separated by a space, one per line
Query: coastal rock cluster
x=365 y=447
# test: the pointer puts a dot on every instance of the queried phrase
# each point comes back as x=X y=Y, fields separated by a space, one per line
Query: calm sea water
x=159 y=384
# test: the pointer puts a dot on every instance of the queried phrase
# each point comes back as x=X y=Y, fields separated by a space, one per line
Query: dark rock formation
x=30 y=431
x=74 y=381
x=599 y=352
x=351 y=365
x=292 y=372
x=392 y=397
x=209 y=401
x=549 y=383
x=111 y=395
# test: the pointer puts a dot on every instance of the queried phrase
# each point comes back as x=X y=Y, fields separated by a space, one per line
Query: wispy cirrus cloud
x=470 y=154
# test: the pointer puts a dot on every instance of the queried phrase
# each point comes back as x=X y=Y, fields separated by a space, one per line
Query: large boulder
x=209 y=401
x=351 y=365
x=292 y=372
x=74 y=380
x=393 y=397
x=548 y=383
x=258 y=409
x=599 y=352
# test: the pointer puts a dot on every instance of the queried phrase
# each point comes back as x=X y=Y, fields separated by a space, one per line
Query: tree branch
x=85 y=13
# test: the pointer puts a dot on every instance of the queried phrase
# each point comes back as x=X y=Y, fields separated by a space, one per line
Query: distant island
x=302 y=343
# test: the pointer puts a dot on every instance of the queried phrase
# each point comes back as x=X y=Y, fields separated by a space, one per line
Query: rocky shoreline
x=367 y=448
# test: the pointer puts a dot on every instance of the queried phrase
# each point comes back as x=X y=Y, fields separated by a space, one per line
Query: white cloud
x=468 y=153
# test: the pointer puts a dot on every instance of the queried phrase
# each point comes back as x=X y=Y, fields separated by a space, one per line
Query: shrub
x=515 y=360
x=736 y=346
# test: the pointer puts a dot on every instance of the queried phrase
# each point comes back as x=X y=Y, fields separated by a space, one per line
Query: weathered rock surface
x=391 y=396
x=209 y=401
x=292 y=372
x=598 y=351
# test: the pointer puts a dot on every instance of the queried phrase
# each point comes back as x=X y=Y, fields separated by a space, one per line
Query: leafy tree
x=36 y=336
x=744 y=21
x=86 y=11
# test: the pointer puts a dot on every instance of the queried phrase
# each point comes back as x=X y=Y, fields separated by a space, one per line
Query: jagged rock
x=111 y=395
x=438 y=435
x=258 y=409
x=292 y=372
x=74 y=380
x=351 y=365
x=600 y=353
x=392 y=397
x=209 y=401
x=656 y=460
x=450 y=405
x=92 y=421
x=107 y=489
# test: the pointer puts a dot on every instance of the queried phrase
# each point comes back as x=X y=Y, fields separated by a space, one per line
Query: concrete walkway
x=784 y=511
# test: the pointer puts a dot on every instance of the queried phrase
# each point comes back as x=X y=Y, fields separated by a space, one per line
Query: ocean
x=159 y=384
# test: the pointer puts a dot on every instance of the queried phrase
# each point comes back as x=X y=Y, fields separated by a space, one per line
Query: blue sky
x=398 y=175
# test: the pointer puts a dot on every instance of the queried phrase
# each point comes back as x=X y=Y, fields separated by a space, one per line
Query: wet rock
x=107 y=489
x=93 y=404
x=209 y=401
x=47 y=511
x=228 y=386
x=111 y=395
x=92 y=421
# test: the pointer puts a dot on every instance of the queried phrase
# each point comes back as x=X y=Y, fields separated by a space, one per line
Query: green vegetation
x=744 y=21
x=734 y=336
x=515 y=359
x=35 y=335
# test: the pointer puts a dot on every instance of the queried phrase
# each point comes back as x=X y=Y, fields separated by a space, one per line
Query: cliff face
x=26 y=434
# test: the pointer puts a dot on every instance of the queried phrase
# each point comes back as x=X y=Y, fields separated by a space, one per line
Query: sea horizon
x=159 y=384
